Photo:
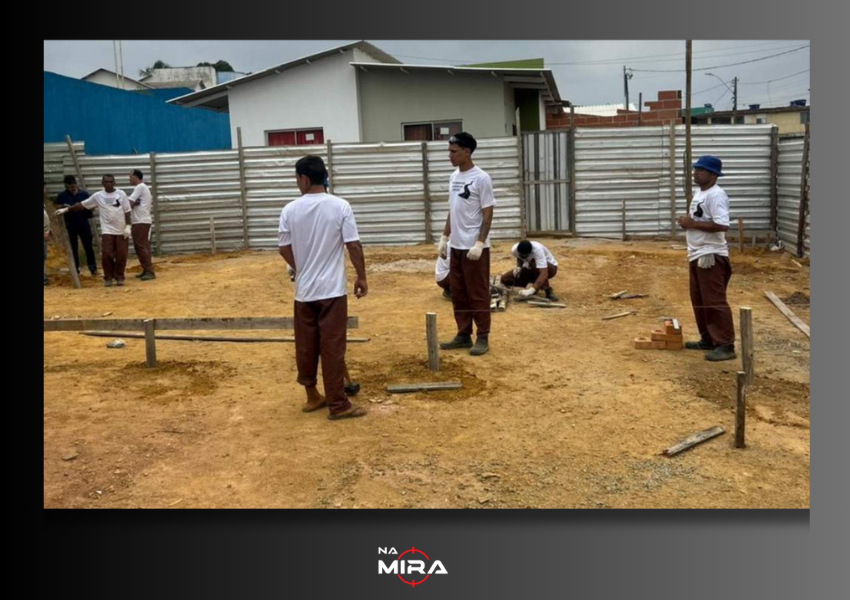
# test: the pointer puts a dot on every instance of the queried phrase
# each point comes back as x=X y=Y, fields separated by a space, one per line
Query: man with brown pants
x=708 y=256
x=535 y=266
x=471 y=204
x=313 y=230
x=113 y=206
x=141 y=200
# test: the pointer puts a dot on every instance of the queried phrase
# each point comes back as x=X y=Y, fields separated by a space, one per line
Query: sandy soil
x=562 y=412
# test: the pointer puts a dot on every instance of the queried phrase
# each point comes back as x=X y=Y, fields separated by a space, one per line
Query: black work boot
x=721 y=353
x=352 y=389
x=447 y=294
x=461 y=340
x=550 y=294
x=481 y=347
x=703 y=344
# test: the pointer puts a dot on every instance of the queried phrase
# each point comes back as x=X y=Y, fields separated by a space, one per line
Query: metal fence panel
x=546 y=178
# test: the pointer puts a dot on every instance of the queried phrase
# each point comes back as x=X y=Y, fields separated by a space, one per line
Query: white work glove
x=291 y=272
x=517 y=271
x=444 y=243
x=706 y=262
x=526 y=293
x=128 y=230
x=475 y=252
x=61 y=211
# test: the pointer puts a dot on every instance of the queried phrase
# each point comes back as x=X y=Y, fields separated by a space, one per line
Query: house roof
x=217 y=95
x=541 y=79
x=130 y=79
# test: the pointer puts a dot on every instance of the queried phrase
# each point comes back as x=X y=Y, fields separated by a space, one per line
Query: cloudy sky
x=587 y=72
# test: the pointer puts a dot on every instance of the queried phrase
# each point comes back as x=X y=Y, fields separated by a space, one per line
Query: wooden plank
x=211 y=338
x=747 y=344
x=150 y=343
x=694 y=440
x=774 y=178
x=431 y=335
x=740 y=409
x=212 y=235
x=672 y=167
x=804 y=196
x=788 y=313
x=546 y=304
x=60 y=237
x=157 y=223
x=243 y=189
x=619 y=315
x=429 y=236
x=403 y=388
x=523 y=195
x=81 y=180
x=180 y=324
x=571 y=166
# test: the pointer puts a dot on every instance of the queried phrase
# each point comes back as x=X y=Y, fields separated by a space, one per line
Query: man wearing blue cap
x=708 y=254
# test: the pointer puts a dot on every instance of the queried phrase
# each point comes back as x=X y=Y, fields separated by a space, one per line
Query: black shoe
x=148 y=276
x=351 y=389
x=721 y=353
x=119 y=282
x=447 y=294
x=459 y=341
x=140 y=275
x=550 y=294
x=481 y=347
x=107 y=283
x=700 y=345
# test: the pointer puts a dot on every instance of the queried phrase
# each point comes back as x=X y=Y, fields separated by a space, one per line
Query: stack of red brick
x=669 y=338
x=660 y=112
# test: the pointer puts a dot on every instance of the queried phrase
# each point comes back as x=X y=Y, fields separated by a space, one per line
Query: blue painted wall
x=113 y=121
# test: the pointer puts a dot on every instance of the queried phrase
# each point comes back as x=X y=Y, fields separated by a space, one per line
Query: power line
x=777 y=79
x=721 y=66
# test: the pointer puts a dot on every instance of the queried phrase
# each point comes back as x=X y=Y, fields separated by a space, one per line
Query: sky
x=586 y=72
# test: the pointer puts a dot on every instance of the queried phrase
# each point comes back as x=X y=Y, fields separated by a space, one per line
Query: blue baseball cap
x=709 y=163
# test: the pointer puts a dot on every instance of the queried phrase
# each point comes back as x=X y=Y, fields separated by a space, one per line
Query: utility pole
x=734 y=100
x=688 y=157
x=626 y=77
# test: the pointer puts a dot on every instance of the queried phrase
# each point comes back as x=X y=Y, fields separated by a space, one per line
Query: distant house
x=788 y=119
x=111 y=79
x=359 y=93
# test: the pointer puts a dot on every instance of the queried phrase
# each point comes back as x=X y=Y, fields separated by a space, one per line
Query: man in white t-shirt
x=708 y=255
x=142 y=200
x=313 y=230
x=535 y=267
x=471 y=204
x=113 y=206
x=442 y=272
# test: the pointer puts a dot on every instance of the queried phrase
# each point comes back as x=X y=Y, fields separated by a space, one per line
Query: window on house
x=721 y=120
x=739 y=120
x=804 y=117
x=760 y=120
x=427 y=132
x=296 y=137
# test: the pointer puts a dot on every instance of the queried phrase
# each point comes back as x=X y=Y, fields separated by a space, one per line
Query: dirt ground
x=562 y=413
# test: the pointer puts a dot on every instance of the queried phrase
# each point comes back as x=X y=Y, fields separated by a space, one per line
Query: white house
x=111 y=79
x=359 y=93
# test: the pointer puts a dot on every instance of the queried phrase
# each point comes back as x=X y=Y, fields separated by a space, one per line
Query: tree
x=222 y=66
x=160 y=64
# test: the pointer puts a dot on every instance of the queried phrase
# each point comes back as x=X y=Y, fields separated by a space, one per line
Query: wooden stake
x=60 y=235
x=694 y=440
x=672 y=167
x=740 y=409
x=157 y=221
x=624 y=220
x=243 y=190
x=150 y=343
x=741 y=234
x=403 y=388
x=747 y=343
x=212 y=235
x=620 y=315
x=427 y=187
x=431 y=333
x=81 y=180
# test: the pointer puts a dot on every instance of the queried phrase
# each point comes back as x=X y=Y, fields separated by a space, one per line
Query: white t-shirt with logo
x=470 y=192
x=142 y=212
x=111 y=206
x=713 y=203
x=441 y=270
x=317 y=226
x=540 y=254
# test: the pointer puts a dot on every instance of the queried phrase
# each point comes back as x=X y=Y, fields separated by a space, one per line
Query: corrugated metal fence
x=793 y=188
x=399 y=190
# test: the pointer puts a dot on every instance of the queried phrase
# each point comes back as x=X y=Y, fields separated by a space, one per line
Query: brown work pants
x=142 y=245
x=708 y=297
x=113 y=256
x=320 y=330
x=470 y=284
x=529 y=275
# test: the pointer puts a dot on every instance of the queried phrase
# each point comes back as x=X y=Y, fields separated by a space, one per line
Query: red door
x=281 y=138
x=308 y=137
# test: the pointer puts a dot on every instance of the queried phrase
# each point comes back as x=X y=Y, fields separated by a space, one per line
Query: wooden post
x=429 y=236
x=774 y=180
x=150 y=343
x=330 y=147
x=212 y=235
x=60 y=234
x=243 y=190
x=741 y=234
x=624 y=220
x=740 y=409
x=523 y=208
x=804 y=197
x=640 y=107
x=688 y=157
x=81 y=180
x=431 y=334
x=672 y=166
x=571 y=164
x=747 y=344
x=157 y=222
